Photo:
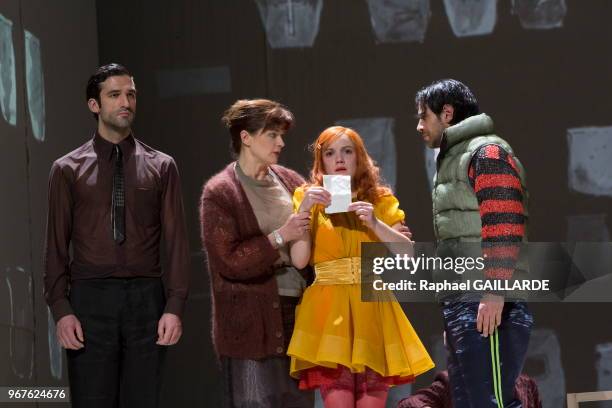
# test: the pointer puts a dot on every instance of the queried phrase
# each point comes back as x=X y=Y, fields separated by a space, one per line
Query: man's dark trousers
x=483 y=370
x=120 y=365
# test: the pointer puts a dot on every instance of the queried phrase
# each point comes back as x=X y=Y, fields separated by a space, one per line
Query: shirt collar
x=104 y=148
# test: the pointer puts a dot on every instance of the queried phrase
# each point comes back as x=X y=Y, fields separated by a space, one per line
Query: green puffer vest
x=456 y=214
x=455 y=207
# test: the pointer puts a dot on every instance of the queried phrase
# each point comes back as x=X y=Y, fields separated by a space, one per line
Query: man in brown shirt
x=113 y=200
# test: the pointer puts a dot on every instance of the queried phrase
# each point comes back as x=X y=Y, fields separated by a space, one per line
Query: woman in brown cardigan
x=247 y=222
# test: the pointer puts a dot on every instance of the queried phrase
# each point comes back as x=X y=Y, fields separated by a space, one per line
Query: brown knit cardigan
x=246 y=311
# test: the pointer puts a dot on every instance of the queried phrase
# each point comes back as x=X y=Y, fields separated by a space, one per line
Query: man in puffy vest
x=479 y=199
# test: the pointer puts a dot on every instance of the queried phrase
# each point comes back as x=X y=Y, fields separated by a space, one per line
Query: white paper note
x=340 y=190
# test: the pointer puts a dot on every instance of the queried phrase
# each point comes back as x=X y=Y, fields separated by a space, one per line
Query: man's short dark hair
x=101 y=74
x=448 y=92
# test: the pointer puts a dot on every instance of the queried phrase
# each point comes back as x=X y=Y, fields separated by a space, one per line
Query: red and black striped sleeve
x=494 y=176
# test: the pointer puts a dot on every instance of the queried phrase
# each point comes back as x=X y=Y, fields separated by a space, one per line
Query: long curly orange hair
x=366 y=181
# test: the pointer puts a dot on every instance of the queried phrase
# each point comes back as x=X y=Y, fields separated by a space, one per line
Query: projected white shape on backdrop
x=55 y=349
x=290 y=23
x=471 y=17
x=35 y=85
x=8 y=81
x=398 y=393
x=430 y=163
x=379 y=139
x=593 y=261
x=590 y=155
x=399 y=20
x=540 y=14
x=21 y=321
x=544 y=346
x=438 y=352
x=604 y=366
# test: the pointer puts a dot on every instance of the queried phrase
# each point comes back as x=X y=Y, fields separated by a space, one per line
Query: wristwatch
x=278 y=238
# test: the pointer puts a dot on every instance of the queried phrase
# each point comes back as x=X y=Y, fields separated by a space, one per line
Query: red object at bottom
x=342 y=378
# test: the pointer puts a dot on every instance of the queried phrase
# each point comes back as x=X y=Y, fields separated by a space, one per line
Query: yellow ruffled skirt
x=335 y=327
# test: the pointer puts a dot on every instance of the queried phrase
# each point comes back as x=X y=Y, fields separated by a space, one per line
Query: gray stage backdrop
x=47 y=50
x=541 y=69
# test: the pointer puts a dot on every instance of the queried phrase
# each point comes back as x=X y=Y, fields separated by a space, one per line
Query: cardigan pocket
x=240 y=319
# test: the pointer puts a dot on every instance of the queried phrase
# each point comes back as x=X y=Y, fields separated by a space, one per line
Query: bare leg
x=372 y=399
x=341 y=392
x=339 y=398
x=371 y=390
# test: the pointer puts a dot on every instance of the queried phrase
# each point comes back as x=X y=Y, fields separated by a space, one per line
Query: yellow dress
x=333 y=326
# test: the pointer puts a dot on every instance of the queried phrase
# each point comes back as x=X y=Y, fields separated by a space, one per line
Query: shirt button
x=279 y=334
x=279 y=350
x=275 y=305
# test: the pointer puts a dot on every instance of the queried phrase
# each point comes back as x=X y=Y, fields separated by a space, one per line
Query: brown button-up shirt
x=80 y=193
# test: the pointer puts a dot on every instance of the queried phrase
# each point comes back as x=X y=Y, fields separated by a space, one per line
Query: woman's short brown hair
x=253 y=115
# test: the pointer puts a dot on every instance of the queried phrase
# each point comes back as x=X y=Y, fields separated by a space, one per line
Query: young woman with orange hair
x=351 y=350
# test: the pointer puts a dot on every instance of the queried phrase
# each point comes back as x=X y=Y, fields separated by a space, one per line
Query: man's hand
x=69 y=333
x=169 y=329
x=489 y=313
x=295 y=226
x=403 y=229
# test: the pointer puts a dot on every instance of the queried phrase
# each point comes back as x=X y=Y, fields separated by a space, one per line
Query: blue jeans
x=482 y=370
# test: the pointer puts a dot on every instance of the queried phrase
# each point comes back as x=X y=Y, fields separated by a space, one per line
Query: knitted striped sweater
x=494 y=176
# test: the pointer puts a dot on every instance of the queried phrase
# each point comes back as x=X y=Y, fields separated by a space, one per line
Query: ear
x=93 y=105
x=448 y=113
x=245 y=137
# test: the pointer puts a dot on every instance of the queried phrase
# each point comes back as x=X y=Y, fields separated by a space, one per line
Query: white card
x=340 y=189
